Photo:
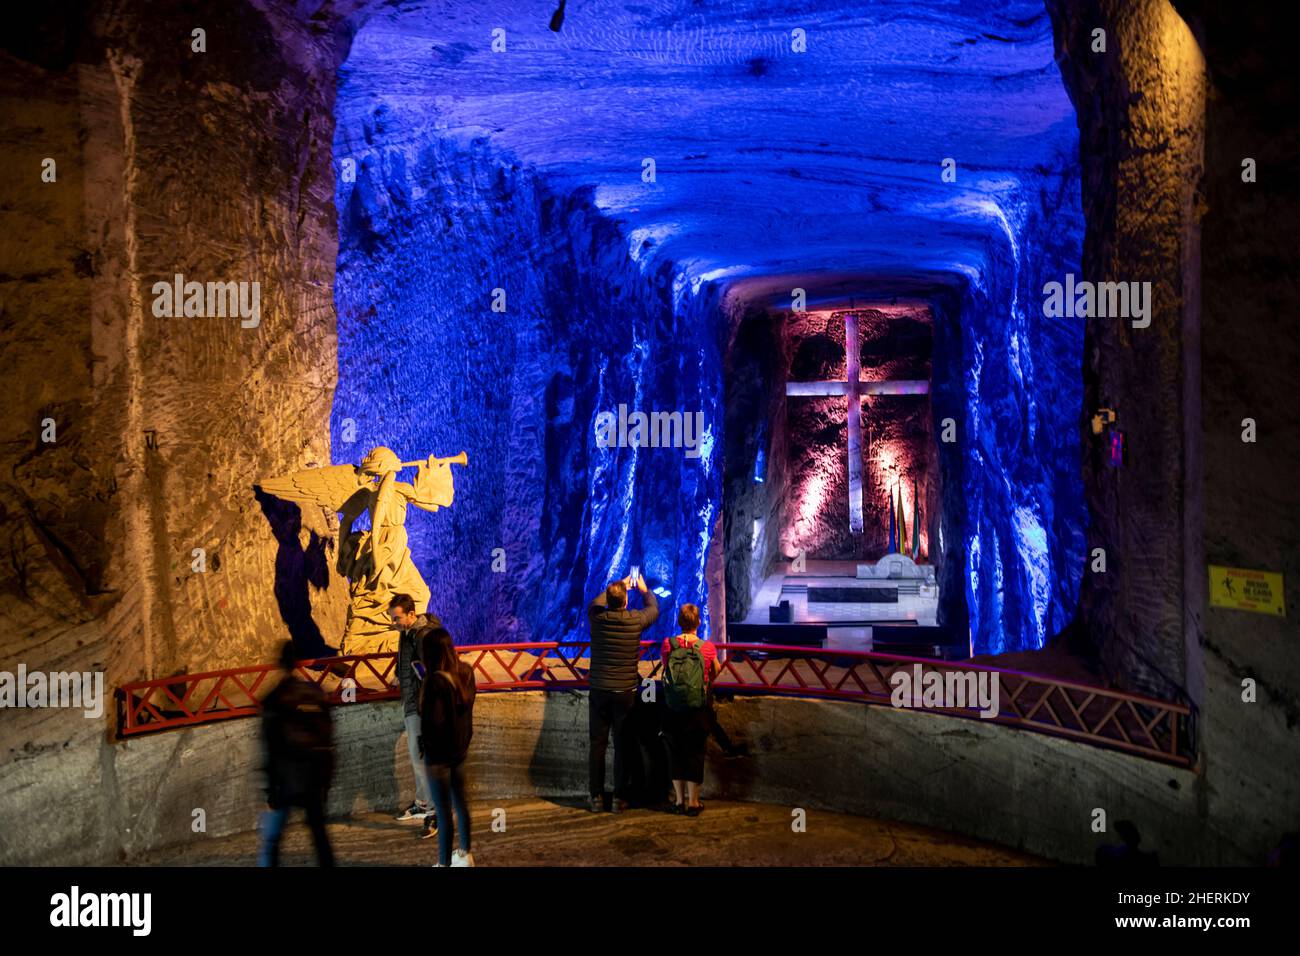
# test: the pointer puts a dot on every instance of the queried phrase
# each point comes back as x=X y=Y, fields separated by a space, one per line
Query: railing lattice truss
x=1104 y=717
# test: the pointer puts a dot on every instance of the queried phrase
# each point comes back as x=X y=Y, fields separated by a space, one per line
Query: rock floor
x=540 y=832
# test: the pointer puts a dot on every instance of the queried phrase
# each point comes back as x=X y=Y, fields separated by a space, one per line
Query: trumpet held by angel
x=377 y=560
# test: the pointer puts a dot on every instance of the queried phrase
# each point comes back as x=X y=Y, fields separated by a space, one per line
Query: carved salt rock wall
x=214 y=165
x=817 y=510
x=770 y=162
x=1248 y=356
x=543 y=518
x=1141 y=119
x=756 y=425
x=1018 y=433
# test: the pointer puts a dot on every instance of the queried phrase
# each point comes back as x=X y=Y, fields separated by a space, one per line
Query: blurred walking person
x=298 y=747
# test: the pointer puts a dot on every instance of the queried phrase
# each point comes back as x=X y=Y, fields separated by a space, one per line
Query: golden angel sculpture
x=377 y=562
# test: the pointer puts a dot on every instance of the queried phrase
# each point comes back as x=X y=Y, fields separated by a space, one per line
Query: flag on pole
x=902 y=522
x=893 y=534
x=916 y=522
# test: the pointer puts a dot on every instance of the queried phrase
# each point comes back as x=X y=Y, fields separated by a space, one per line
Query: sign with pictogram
x=1244 y=590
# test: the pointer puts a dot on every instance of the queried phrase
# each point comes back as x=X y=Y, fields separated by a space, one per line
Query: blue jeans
x=273 y=821
x=448 y=784
x=422 y=793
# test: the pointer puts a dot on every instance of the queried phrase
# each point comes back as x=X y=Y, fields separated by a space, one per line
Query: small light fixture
x=557 y=18
x=1104 y=417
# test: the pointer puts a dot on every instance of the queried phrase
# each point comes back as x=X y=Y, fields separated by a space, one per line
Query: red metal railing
x=1108 y=718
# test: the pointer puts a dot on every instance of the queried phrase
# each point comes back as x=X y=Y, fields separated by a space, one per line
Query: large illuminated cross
x=854 y=389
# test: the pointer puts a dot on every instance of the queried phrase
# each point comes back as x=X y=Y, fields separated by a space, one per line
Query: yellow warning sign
x=1242 y=590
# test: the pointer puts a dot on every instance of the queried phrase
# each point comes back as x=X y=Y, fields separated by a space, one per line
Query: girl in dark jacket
x=446 y=726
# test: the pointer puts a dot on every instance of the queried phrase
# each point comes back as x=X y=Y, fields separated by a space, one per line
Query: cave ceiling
x=772 y=167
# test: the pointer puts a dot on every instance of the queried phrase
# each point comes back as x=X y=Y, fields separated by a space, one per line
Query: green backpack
x=684 y=673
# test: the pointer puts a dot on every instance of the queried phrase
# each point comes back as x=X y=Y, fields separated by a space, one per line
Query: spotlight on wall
x=557 y=18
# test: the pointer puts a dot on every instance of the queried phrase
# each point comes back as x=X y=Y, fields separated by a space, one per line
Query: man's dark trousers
x=607 y=710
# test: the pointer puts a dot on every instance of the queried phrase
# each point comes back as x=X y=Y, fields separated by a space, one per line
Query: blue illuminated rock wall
x=522 y=168
x=755 y=456
x=426 y=366
x=430 y=227
x=1022 y=514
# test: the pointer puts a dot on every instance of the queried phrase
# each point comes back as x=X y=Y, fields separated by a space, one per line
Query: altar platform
x=898 y=610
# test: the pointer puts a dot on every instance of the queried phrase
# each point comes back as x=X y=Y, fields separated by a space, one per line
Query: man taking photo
x=614 y=678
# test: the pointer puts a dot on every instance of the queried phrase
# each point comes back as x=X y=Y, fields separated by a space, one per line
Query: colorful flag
x=893 y=534
x=916 y=522
x=902 y=522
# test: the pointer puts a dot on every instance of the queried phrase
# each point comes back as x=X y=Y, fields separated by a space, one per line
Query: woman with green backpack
x=690 y=665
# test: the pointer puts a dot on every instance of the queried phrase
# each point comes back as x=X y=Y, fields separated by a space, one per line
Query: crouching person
x=446 y=727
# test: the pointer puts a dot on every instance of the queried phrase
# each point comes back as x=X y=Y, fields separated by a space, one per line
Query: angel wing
x=330 y=486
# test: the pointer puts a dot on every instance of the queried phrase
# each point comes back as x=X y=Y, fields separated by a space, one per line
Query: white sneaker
x=415 y=813
x=461 y=858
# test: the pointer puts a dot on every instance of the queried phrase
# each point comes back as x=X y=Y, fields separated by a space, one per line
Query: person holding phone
x=614 y=678
x=413 y=627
